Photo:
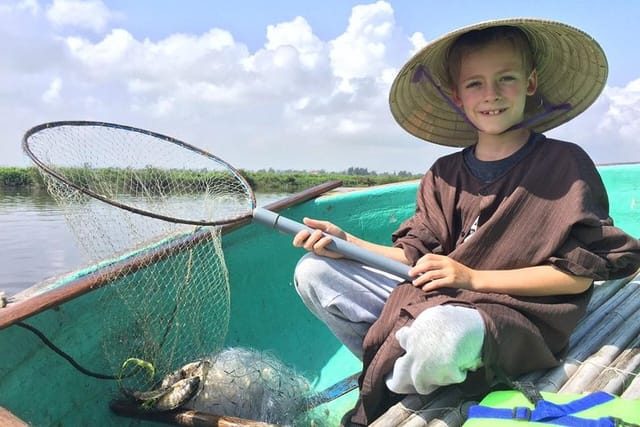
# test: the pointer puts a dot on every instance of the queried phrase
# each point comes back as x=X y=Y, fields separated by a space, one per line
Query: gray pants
x=441 y=345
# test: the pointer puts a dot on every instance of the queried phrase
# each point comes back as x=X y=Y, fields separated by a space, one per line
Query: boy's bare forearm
x=531 y=281
x=540 y=280
x=438 y=271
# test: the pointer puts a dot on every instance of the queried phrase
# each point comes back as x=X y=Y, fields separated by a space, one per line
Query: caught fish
x=255 y=385
x=198 y=368
x=243 y=383
x=174 y=390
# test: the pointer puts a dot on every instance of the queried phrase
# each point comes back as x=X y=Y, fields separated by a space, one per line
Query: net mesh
x=141 y=170
x=255 y=385
x=168 y=302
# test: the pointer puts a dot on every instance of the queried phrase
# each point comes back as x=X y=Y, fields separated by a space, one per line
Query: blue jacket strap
x=549 y=412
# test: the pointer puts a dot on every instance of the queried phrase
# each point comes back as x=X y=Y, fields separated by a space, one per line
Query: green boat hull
x=43 y=389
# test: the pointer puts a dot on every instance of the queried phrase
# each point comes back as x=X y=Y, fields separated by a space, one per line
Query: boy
x=508 y=234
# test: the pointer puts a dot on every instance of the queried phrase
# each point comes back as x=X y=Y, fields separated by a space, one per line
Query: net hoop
x=59 y=176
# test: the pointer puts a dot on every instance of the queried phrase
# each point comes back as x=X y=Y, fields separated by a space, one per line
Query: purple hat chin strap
x=547 y=110
x=423 y=72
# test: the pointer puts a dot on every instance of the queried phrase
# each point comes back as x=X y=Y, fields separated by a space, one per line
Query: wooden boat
x=39 y=387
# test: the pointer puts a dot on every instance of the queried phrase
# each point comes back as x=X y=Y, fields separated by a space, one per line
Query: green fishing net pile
x=255 y=385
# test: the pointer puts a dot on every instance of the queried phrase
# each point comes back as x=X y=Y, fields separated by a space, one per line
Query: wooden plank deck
x=604 y=355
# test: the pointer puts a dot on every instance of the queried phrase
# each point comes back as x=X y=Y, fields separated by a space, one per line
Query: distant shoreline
x=260 y=181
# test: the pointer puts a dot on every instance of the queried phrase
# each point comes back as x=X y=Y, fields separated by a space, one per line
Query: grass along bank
x=260 y=181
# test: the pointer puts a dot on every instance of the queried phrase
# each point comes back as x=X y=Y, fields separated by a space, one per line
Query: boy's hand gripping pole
x=347 y=249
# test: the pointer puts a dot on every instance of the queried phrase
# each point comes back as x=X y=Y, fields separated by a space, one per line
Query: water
x=36 y=243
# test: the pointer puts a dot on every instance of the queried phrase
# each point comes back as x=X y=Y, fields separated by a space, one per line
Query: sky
x=281 y=84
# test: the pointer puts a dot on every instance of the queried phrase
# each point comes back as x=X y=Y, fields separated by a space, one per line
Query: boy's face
x=492 y=87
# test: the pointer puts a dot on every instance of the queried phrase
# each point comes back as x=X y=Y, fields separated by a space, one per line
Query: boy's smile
x=493 y=86
x=494 y=112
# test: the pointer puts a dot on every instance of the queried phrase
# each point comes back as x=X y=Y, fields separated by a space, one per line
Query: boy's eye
x=507 y=78
x=472 y=84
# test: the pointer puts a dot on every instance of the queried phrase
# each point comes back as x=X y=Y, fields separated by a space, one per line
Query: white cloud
x=116 y=50
x=349 y=126
x=211 y=90
x=623 y=114
x=609 y=129
x=84 y=14
x=30 y=6
x=52 y=94
x=299 y=102
x=298 y=35
x=418 y=42
x=362 y=50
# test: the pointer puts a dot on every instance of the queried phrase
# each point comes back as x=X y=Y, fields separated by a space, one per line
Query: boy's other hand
x=439 y=271
x=317 y=240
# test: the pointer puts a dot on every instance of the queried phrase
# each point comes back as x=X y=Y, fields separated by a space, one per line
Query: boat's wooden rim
x=19 y=310
x=183 y=417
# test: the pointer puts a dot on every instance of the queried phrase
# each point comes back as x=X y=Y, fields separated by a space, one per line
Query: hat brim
x=571 y=66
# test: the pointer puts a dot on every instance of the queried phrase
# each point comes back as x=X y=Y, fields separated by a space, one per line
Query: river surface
x=36 y=242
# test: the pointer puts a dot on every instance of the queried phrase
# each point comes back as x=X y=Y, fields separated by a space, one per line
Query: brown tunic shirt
x=550 y=208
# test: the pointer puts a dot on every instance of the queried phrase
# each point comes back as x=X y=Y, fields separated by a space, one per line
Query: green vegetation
x=291 y=181
x=20 y=177
x=260 y=181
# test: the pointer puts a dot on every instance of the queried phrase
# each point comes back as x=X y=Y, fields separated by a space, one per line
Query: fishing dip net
x=147 y=210
x=120 y=190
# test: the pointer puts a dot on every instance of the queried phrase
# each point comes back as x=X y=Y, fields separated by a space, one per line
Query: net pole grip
x=273 y=220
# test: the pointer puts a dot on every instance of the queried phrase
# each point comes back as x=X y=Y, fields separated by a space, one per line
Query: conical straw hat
x=571 y=66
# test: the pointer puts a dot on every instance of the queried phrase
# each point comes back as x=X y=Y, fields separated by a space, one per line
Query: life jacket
x=512 y=408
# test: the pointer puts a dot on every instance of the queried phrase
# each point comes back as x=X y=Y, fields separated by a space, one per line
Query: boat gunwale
x=19 y=310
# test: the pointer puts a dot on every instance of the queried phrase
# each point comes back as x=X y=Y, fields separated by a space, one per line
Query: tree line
x=268 y=180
